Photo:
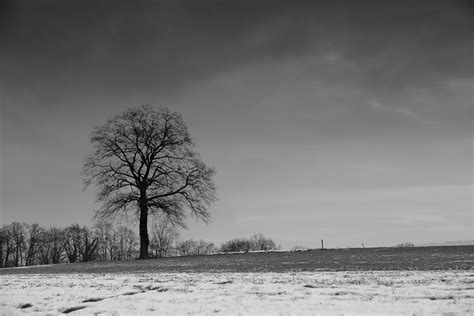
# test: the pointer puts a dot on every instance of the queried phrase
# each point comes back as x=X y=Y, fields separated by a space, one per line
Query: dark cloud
x=55 y=52
x=164 y=44
x=153 y=43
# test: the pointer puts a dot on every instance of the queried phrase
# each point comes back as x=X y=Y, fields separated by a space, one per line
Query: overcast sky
x=350 y=121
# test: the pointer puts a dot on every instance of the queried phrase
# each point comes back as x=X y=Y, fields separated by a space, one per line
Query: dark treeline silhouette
x=31 y=244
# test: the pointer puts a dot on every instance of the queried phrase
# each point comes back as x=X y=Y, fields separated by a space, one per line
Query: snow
x=294 y=293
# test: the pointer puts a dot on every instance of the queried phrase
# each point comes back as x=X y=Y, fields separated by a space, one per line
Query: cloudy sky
x=324 y=119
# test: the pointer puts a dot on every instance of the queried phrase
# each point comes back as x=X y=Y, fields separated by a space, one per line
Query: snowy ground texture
x=233 y=293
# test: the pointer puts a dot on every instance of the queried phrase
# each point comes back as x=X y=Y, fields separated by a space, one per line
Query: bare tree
x=123 y=243
x=30 y=244
x=44 y=248
x=191 y=247
x=163 y=236
x=103 y=230
x=6 y=245
x=17 y=231
x=89 y=245
x=130 y=243
x=35 y=234
x=260 y=242
x=79 y=244
x=3 y=241
x=254 y=243
x=73 y=242
x=54 y=241
x=204 y=248
x=237 y=245
x=186 y=247
x=145 y=157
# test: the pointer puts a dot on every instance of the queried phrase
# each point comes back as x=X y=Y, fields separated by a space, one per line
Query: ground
x=419 y=281
x=308 y=293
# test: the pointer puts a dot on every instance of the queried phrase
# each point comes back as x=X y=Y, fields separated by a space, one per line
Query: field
x=428 y=280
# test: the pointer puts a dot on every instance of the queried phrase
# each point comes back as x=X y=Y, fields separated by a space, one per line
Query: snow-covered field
x=308 y=293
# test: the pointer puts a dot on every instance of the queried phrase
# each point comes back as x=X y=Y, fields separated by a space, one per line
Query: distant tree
x=17 y=231
x=255 y=243
x=103 y=230
x=204 y=248
x=54 y=240
x=144 y=158
x=3 y=240
x=30 y=244
x=163 y=235
x=114 y=242
x=44 y=248
x=89 y=245
x=125 y=243
x=237 y=245
x=7 y=245
x=34 y=242
x=79 y=244
x=73 y=242
x=186 y=247
x=260 y=242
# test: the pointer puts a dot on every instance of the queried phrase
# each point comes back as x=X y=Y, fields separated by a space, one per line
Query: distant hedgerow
x=255 y=243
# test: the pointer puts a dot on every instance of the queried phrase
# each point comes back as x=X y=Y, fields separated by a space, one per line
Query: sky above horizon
x=332 y=120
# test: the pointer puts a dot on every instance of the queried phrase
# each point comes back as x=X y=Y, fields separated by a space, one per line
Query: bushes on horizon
x=237 y=245
x=405 y=245
x=191 y=247
x=258 y=242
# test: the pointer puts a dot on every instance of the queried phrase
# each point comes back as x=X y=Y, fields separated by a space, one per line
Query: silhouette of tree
x=145 y=157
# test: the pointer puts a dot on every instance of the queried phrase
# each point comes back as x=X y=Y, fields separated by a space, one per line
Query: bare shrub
x=163 y=235
x=192 y=247
x=258 y=242
x=405 y=245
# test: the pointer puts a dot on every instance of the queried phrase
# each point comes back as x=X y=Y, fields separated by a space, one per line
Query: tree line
x=24 y=244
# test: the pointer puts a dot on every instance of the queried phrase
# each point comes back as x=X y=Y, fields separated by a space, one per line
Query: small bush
x=257 y=242
x=405 y=245
x=192 y=247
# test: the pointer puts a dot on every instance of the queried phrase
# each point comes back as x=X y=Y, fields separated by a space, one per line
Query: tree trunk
x=17 y=256
x=7 y=254
x=143 y=226
x=1 y=253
